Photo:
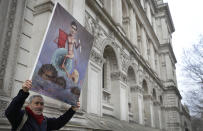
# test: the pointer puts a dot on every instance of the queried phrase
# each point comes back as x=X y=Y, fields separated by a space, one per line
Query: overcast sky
x=187 y=17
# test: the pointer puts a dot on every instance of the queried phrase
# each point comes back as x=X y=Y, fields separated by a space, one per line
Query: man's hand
x=75 y=108
x=27 y=85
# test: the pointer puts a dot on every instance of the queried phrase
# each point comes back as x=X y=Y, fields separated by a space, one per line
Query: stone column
x=135 y=92
x=148 y=111
x=117 y=11
x=92 y=92
x=12 y=13
x=156 y=114
x=152 y=59
x=118 y=89
x=163 y=118
x=143 y=44
x=133 y=30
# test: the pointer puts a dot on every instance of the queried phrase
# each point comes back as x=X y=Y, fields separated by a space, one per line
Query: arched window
x=161 y=100
x=154 y=94
x=110 y=65
x=139 y=40
x=131 y=77
x=144 y=86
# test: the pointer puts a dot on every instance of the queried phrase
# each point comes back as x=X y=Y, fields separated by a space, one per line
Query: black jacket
x=14 y=113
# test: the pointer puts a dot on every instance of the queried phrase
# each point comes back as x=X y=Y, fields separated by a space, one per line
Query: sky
x=188 y=21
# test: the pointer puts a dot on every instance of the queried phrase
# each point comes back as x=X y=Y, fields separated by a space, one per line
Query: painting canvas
x=63 y=58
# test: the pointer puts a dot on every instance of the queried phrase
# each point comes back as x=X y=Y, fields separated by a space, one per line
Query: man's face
x=47 y=75
x=73 y=29
x=37 y=105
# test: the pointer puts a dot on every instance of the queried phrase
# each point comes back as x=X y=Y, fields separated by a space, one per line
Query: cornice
x=173 y=88
x=174 y=108
x=165 y=8
x=168 y=46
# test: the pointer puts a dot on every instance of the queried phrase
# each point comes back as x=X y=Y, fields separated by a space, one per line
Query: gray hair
x=34 y=96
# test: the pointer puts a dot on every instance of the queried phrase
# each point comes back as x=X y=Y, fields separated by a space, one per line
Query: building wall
x=131 y=71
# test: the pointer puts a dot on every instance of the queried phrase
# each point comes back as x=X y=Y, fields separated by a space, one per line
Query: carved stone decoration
x=109 y=41
x=124 y=61
x=140 y=77
x=3 y=105
x=99 y=35
x=96 y=57
x=119 y=76
x=136 y=88
x=89 y=23
x=96 y=30
x=7 y=42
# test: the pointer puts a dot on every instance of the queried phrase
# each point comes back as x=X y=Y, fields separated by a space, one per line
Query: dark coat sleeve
x=57 y=123
x=13 y=111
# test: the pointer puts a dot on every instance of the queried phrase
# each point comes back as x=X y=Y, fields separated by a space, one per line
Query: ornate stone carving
x=96 y=30
x=7 y=42
x=119 y=76
x=109 y=41
x=96 y=57
x=125 y=60
x=99 y=36
x=3 y=105
x=136 y=88
x=89 y=23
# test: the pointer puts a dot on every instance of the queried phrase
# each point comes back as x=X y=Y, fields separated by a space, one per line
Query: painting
x=63 y=58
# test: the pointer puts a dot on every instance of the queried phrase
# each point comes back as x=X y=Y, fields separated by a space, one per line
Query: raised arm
x=57 y=123
x=14 y=112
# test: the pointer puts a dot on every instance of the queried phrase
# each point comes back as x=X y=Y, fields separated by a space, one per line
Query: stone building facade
x=131 y=79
